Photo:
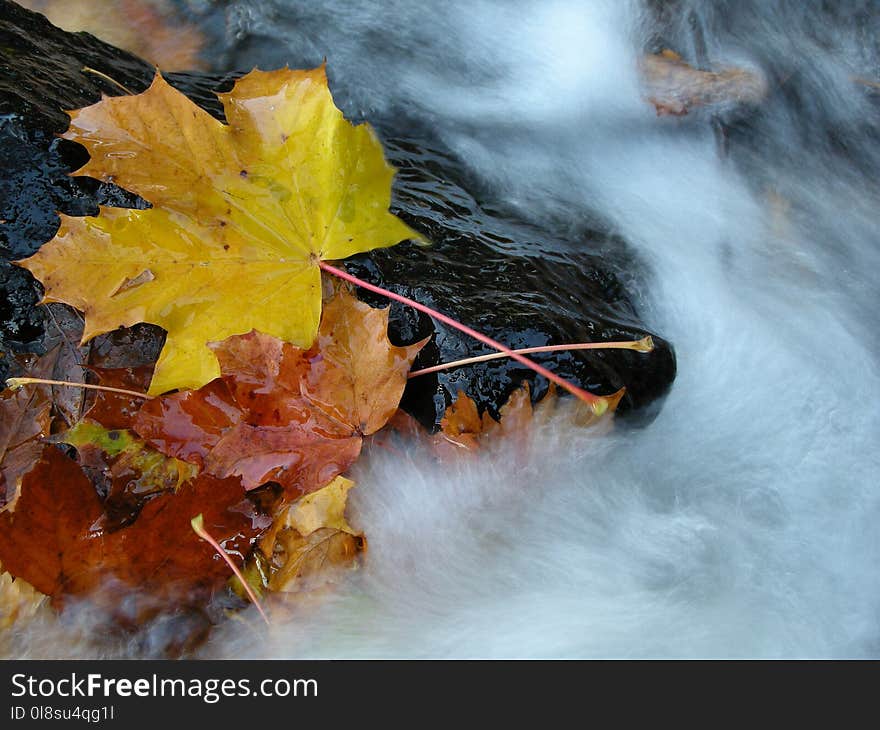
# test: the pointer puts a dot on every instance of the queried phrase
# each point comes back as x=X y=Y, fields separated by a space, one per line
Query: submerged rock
x=515 y=282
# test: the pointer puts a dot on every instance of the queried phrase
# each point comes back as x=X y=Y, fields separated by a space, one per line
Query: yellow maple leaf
x=310 y=539
x=242 y=214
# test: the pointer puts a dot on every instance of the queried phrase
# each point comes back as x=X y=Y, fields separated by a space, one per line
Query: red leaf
x=55 y=540
x=283 y=414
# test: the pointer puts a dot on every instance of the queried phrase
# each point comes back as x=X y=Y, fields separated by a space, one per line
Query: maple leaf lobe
x=226 y=253
x=55 y=540
x=282 y=413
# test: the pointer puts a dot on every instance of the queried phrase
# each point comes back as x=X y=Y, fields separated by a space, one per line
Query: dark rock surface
x=516 y=283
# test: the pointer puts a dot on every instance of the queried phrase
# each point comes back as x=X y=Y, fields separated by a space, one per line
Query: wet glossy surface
x=59 y=543
x=520 y=284
x=279 y=413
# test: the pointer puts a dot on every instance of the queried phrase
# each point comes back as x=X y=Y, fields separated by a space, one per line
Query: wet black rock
x=515 y=282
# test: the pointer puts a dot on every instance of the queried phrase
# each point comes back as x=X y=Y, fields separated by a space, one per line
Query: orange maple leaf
x=284 y=414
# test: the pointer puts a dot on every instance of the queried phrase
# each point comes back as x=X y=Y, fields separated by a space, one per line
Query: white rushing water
x=743 y=521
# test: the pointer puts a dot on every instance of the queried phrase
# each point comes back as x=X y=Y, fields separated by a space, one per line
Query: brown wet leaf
x=63 y=342
x=129 y=347
x=310 y=541
x=48 y=539
x=25 y=419
x=462 y=428
x=124 y=470
x=56 y=540
x=117 y=410
x=675 y=87
x=307 y=562
x=152 y=29
x=405 y=424
x=462 y=425
x=283 y=414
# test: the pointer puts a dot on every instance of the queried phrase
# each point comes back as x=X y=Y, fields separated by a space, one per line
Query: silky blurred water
x=743 y=521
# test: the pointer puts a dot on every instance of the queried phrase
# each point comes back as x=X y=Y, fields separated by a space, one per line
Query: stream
x=741 y=520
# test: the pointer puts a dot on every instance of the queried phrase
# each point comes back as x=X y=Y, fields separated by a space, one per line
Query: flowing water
x=743 y=521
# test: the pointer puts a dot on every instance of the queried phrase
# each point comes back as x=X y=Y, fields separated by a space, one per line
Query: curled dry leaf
x=241 y=215
x=283 y=414
x=310 y=540
x=55 y=539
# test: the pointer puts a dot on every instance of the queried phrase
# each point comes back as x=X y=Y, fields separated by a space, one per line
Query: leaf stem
x=198 y=525
x=597 y=403
x=15 y=383
x=643 y=345
x=110 y=79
